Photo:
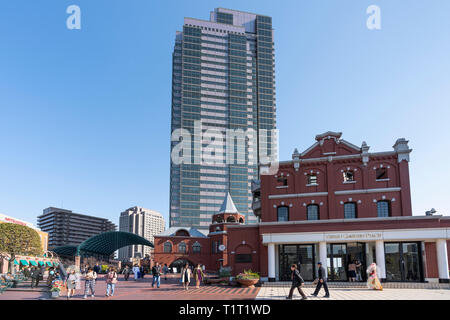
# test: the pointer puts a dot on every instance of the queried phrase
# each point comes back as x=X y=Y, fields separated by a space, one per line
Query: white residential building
x=143 y=222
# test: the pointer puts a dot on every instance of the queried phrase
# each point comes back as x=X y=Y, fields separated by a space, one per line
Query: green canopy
x=49 y=263
x=24 y=262
x=16 y=262
x=41 y=263
x=33 y=263
x=103 y=244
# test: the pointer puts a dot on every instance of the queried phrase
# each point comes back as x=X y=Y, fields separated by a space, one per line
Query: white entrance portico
x=375 y=239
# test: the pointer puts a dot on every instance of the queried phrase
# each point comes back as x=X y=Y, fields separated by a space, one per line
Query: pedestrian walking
x=186 y=274
x=321 y=281
x=35 y=277
x=85 y=270
x=142 y=271
x=297 y=282
x=165 y=271
x=198 y=275
x=358 y=271
x=136 y=272
x=352 y=271
x=26 y=273
x=126 y=273
x=73 y=283
x=372 y=279
x=156 y=271
x=89 y=284
x=97 y=268
x=111 y=280
x=50 y=277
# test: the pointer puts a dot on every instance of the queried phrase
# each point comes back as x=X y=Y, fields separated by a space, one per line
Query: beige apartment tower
x=143 y=222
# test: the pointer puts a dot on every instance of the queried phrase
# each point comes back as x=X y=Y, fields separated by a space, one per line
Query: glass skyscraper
x=223 y=78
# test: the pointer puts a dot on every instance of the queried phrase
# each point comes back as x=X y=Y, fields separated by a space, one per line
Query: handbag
x=316 y=281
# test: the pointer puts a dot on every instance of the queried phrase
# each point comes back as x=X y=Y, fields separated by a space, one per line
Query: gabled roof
x=336 y=136
x=228 y=205
x=327 y=134
x=193 y=232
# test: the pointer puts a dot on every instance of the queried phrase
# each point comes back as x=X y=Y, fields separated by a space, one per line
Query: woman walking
x=198 y=276
x=372 y=281
x=89 y=283
x=50 y=277
x=126 y=273
x=73 y=283
x=186 y=274
x=111 y=280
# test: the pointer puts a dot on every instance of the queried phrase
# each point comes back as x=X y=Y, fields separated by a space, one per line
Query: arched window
x=312 y=179
x=219 y=220
x=231 y=219
x=350 y=210
x=349 y=176
x=283 y=214
x=312 y=212
x=182 y=233
x=241 y=220
x=182 y=247
x=167 y=247
x=383 y=209
x=196 y=247
x=282 y=181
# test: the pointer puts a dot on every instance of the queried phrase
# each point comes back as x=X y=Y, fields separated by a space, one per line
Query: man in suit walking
x=35 y=277
x=322 y=280
x=297 y=282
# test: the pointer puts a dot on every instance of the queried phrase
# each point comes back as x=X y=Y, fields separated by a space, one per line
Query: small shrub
x=248 y=275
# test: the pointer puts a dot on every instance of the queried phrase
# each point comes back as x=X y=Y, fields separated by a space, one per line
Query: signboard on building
x=353 y=236
x=6 y=219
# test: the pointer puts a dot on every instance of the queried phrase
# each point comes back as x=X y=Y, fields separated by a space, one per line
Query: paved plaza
x=171 y=289
x=142 y=290
x=280 y=293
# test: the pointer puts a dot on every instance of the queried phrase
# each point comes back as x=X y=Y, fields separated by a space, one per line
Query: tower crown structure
x=228 y=214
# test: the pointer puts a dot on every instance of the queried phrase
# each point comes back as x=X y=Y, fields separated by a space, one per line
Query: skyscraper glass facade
x=223 y=79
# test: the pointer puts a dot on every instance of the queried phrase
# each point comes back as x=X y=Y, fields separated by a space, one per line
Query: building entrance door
x=337 y=261
x=403 y=261
x=302 y=256
x=356 y=253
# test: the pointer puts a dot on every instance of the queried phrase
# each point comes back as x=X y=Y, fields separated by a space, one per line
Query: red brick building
x=334 y=203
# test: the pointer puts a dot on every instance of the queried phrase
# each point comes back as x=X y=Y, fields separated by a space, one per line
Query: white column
x=381 y=264
x=442 y=260
x=271 y=261
x=323 y=256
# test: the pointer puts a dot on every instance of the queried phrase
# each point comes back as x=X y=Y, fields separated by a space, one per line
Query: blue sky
x=85 y=114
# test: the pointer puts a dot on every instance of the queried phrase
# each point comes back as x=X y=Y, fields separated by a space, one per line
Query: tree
x=19 y=240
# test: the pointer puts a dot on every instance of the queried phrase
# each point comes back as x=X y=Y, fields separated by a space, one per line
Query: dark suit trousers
x=319 y=285
x=34 y=282
x=291 y=292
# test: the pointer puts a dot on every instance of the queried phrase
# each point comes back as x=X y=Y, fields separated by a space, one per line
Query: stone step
x=387 y=285
x=26 y=287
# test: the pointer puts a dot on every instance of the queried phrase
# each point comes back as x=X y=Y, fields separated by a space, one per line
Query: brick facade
x=326 y=176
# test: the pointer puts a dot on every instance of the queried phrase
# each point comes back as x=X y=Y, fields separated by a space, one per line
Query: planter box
x=55 y=294
x=248 y=283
